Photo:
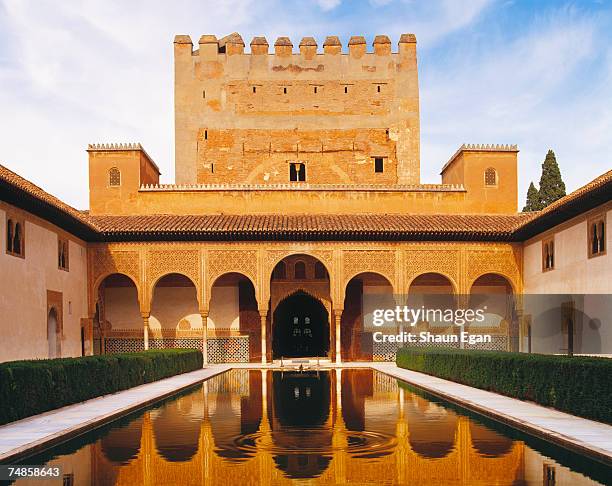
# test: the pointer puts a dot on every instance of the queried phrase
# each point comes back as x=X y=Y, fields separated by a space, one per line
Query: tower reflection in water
x=330 y=427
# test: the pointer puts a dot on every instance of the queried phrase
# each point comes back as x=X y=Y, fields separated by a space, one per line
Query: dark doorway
x=301 y=327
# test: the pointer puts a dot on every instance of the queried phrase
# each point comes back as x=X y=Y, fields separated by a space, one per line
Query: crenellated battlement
x=210 y=46
x=337 y=108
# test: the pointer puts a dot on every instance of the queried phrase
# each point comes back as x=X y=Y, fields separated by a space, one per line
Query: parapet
x=121 y=147
x=477 y=147
x=283 y=46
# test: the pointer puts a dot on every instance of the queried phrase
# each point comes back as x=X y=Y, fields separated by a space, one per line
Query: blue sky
x=538 y=74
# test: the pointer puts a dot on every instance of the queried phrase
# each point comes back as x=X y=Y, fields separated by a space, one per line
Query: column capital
x=145 y=315
x=204 y=312
x=263 y=312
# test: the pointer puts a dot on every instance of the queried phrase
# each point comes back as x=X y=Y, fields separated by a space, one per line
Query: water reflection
x=328 y=427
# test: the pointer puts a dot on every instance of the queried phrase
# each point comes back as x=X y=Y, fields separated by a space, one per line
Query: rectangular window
x=297 y=172
x=596 y=236
x=548 y=254
x=379 y=164
x=62 y=254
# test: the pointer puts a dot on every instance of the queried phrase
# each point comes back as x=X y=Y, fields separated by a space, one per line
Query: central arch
x=301 y=327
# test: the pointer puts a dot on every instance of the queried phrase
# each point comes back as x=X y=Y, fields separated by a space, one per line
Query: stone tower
x=313 y=117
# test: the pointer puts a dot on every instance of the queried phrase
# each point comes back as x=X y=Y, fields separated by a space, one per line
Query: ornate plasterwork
x=227 y=261
x=502 y=261
x=162 y=262
x=106 y=262
x=443 y=261
x=376 y=261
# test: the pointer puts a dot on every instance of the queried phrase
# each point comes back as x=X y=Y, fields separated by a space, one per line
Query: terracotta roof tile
x=304 y=227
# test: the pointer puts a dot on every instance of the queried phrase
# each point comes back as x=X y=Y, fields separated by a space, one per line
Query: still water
x=349 y=426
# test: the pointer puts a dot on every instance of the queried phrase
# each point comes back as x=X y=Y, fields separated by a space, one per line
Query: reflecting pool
x=351 y=426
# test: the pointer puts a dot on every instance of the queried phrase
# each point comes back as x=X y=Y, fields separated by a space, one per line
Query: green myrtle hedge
x=35 y=386
x=578 y=385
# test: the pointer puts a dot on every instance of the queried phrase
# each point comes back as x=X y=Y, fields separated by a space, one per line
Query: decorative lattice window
x=114 y=177
x=490 y=177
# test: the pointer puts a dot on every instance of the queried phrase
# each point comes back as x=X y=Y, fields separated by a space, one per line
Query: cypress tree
x=551 y=183
x=533 y=199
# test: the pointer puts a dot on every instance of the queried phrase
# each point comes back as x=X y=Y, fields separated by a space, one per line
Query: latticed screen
x=490 y=177
x=114 y=177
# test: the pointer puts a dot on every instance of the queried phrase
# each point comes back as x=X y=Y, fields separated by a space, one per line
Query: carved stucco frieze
x=377 y=261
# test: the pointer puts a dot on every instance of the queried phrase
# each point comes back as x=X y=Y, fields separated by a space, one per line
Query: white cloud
x=328 y=4
x=540 y=91
x=72 y=73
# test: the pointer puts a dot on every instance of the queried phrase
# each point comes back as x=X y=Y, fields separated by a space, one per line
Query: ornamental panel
x=376 y=261
x=445 y=262
x=163 y=262
x=501 y=261
x=227 y=261
x=106 y=262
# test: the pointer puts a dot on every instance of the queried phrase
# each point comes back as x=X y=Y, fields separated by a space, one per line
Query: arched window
x=300 y=270
x=280 y=271
x=597 y=236
x=62 y=254
x=320 y=272
x=548 y=254
x=297 y=172
x=17 y=240
x=114 y=177
x=490 y=177
x=9 y=235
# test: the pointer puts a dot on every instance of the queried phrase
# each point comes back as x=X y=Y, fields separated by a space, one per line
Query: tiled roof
x=20 y=192
x=312 y=227
x=589 y=196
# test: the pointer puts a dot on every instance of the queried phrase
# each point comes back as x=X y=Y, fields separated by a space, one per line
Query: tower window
x=114 y=177
x=299 y=271
x=205 y=134
x=379 y=164
x=212 y=168
x=548 y=254
x=378 y=88
x=315 y=89
x=345 y=89
x=597 y=236
x=297 y=172
x=203 y=93
x=490 y=177
x=285 y=90
x=254 y=89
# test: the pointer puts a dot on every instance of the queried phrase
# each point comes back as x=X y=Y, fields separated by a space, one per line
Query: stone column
x=204 y=315
x=263 y=314
x=337 y=321
x=145 y=320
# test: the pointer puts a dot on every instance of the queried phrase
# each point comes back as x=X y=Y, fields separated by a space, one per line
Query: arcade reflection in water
x=334 y=427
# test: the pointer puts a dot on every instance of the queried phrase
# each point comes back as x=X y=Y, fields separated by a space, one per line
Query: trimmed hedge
x=35 y=386
x=578 y=385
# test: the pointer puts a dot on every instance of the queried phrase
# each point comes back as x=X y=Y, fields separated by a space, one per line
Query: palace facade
x=297 y=199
